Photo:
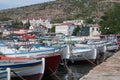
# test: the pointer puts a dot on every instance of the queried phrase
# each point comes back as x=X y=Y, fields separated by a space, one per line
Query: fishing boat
x=118 y=39
x=52 y=55
x=81 y=53
x=100 y=45
x=112 y=46
x=23 y=68
x=107 y=46
x=112 y=42
x=5 y=74
x=101 y=49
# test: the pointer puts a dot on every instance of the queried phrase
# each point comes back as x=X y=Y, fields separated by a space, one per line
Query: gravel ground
x=108 y=70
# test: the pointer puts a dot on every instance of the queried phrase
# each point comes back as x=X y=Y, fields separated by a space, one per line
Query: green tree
x=5 y=19
x=75 y=31
x=52 y=30
x=110 y=23
x=90 y=21
x=27 y=25
x=17 y=24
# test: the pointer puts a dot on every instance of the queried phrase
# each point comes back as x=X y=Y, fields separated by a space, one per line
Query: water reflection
x=77 y=71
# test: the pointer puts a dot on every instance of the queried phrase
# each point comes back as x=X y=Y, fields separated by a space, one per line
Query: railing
x=5 y=74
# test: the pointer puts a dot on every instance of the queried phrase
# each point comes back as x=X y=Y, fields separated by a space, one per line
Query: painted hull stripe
x=25 y=67
x=21 y=65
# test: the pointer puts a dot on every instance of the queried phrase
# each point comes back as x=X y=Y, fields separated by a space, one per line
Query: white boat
x=23 y=68
x=52 y=55
x=28 y=51
x=100 y=45
x=112 y=46
x=5 y=74
x=81 y=53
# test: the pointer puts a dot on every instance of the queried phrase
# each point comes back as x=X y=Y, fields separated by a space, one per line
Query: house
x=76 y=22
x=37 y=24
x=90 y=31
x=65 y=28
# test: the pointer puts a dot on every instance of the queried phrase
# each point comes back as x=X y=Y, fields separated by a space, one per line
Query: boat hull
x=52 y=63
x=80 y=54
x=52 y=56
x=32 y=73
x=30 y=77
x=87 y=56
x=52 y=60
x=24 y=69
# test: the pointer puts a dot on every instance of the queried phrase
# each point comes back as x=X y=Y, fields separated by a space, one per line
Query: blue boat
x=23 y=68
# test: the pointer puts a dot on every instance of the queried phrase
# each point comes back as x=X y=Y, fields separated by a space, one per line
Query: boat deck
x=108 y=70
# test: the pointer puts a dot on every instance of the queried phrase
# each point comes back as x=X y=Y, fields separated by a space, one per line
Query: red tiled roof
x=25 y=19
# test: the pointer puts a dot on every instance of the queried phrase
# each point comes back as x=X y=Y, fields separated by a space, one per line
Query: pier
x=108 y=70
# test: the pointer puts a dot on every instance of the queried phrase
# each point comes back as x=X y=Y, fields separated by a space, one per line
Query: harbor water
x=77 y=70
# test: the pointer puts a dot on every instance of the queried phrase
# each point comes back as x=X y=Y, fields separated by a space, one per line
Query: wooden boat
x=81 y=53
x=102 y=48
x=5 y=74
x=118 y=39
x=112 y=46
x=52 y=55
x=23 y=68
x=100 y=45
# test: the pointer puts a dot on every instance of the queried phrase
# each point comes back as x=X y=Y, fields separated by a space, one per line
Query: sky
x=7 y=4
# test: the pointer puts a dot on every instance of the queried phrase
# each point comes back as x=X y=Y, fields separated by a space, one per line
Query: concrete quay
x=108 y=70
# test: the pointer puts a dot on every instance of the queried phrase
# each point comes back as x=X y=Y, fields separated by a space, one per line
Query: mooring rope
x=18 y=75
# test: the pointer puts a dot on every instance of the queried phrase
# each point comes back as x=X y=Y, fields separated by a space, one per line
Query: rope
x=89 y=60
x=65 y=65
x=53 y=73
x=18 y=75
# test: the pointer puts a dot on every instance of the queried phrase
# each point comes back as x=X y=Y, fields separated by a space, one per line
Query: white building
x=94 y=31
x=76 y=22
x=39 y=24
x=65 y=28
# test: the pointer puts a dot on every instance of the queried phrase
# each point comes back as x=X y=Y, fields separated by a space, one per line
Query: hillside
x=60 y=10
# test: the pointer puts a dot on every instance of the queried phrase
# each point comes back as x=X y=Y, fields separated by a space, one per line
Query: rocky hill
x=60 y=10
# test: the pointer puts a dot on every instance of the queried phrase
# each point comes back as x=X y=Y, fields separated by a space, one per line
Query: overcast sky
x=7 y=4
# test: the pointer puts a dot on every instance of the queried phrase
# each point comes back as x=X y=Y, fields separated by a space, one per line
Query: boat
x=118 y=39
x=52 y=55
x=23 y=68
x=81 y=53
x=112 y=46
x=112 y=42
x=5 y=74
x=100 y=45
x=103 y=48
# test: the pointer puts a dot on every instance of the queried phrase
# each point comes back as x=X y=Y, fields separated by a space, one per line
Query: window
x=92 y=29
x=97 y=29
